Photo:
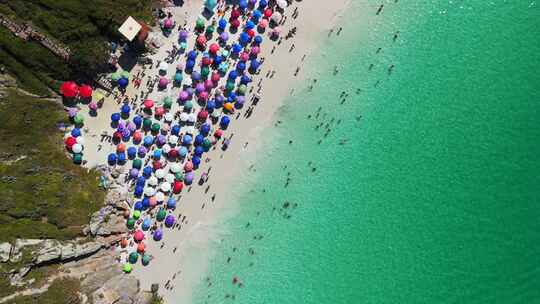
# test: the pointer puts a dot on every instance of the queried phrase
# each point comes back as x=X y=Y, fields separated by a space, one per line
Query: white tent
x=130 y=28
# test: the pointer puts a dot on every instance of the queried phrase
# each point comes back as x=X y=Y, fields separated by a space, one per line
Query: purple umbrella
x=93 y=106
x=161 y=140
x=169 y=220
x=190 y=92
x=142 y=151
x=199 y=88
x=183 y=96
x=183 y=35
x=72 y=112
x=158 y=235
x=163 y=82
x=121 y=125
x=133 y=173
x=131 y=126
x=188 y=179
x=239 y=102
x=126 y=133
x=224 y=36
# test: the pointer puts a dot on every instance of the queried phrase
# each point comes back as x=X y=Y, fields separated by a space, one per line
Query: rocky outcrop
x=5 y=252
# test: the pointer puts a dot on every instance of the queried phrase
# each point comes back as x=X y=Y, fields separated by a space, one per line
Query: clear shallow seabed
x=434 y=197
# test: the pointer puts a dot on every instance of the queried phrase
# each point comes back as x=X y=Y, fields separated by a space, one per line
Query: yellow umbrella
x=97 y=96
x=228 y=106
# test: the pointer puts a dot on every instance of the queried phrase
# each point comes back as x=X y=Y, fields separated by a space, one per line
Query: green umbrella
x=155 y=127
x=179 y=176
x=78 y=119
x=147 y=123
x=130 y=223
x=145 y=259
x=115 y=76
x=242 y=89
x=188 y=105
x=125 y=74
x=77 y=158
x=207 y=144
x=229 y=86
x=210 y=30
x=133 y=257
x=127 y=268
x=205 y=70
x=161 y=214
x=137 y=163
x=167 y=102
x=200 y=23
x=136 y=214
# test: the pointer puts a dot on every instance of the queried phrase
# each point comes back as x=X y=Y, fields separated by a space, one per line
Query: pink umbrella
x=276 y=31
x=160 y=111
x=168 y=23
x=163 y=82
x=188 y=166
x=208 y=84
x=199 y=88
x=215 y=77
x=255 y=50
x=93 y=106
x=263 y=24
x=204 y=96
x=244 y=56
x=138 y=236
x=179 y=67
x=152 y=201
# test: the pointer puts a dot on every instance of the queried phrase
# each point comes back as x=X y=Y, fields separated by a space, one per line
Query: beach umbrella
x=188 y=166
x=224 y=37
x=141 y=248
x=123 y=82
x=163 y=82
x=282 y=4
x=177 y=187
x=245 y=79
x=76 y=132
x=244 y=38
x=145 y=260
x=160 y=197
x=263 y=24
x=160 y=216
x=155 y=127
x=77 y=148
x=127 y=268
x=186 y=140
x=169 y=178
x=192 y=55
x=263 y=3
x=121 y=157
x=116 y=76
x=198 y=139
x=141 y=180
x=138 y=205
x=171 y=203
x=268 y=13
x=175 y=130
x=218 y=133
x=195 y=76
x=173 y=153
x=244 y=56
x=235 y=23
x=147 y=171
x=183 y=96
x=254 y=65
x=235 y=13
x=208 y=84
x=85 y=91
x=228 y=106
x=178 y=77
x=158 y=235
x=207 y=144
x=137 y=120
x=166 y=148
x=148 y=140
x=77 y=158
x=147 y=123
x=139 y=190
x=189 y=178
x=242 y=4
x=72 y=112
x=131 y=152
x=183 y=35
x=184 y=116
x=138 y=236
x=163 y=66
x=276 y=17
x=165 y=187
x=196 y=159
x=120 y=148
x=254 y=51
x=80 y=140
x=169 y=220
x=78 y=119
x=205 y=129
x=148 y=103
x=123 y=243
x=190 y=129
x=133 y=172
x=198 y=151
x=256 y=15
x=69 y=89
x=141 y=151
x=251 y=33
x=192 y=118
x=190 y=64
x=214 y=48
x=199 y=24
x=124 y=74
x=210 y=30
x=130 y=223
x=146 y=224
x=222 y=24
x=224 y=123
x=201 y=41
x=168 y=23
x=70 y=141
x=133 y=257
x=111 y=158
x=250 y=25
x=131 y=127
x=258 y=40
x=160 y=173
x=137 y=163
x=157 y=154
x=182 y=151
x=149 y=191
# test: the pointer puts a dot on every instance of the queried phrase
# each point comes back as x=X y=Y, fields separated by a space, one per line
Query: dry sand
x=194 y=241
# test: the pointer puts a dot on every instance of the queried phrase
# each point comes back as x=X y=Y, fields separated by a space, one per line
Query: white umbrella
x=192 y=117
x=190 y=130
x=160 y=173
x=165 y=187
x=166 y=148
x=175 y=167
x=282 y=3
x=168 y=116
x=153 y=181
x=184 y=116
x=173 y=139
x=160 y=197
x=149 y=191
x=276 y=17
x=80 y=140
x=169 y=178
x=77 y=148
x=163 y=66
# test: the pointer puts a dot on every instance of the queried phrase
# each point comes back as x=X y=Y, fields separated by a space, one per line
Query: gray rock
x=5 y=252
x=50 y=250
x=105 y=222
x=120 y=289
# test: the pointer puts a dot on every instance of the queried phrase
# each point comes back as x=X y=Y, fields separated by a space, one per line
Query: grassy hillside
x=85 y=26
x=44 y=195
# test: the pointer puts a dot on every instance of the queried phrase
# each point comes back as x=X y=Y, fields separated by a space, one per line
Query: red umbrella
x=138 y=236
x=235 y=23
x=70 y=141
x=214 y=48
x=207 y=60
x=149 y=103
x=69 y=89
x=202 y=115
x=177 y=187
x=268 y=13
x=117 y=135
x=215 y=77
x=85 y=91
x=141 y=247
x=201 y=40
x=173 y=153
x=156 y=164
x=251 y=33
x=235 y=13
x=218 y=133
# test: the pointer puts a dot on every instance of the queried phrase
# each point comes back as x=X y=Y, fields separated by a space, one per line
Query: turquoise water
x=426 y=189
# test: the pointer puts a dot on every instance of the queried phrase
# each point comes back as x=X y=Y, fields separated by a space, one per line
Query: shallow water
x=426 y=188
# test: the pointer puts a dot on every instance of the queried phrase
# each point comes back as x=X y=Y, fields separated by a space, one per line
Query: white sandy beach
x=194 y=241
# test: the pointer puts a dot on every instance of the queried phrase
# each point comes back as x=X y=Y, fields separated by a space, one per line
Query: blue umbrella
x=121 y=157
x=190 y=64
x=171 y=203
x=218 y=60
x=138 y=206
x=233 y=74
x=243 y=4
x=141 y=180
x=111 y=158
x=196 y=161
x=263 y=3
x=76 y=132
x=137 y=120
x=192 y=55
x=225 y=120
x=237 y=48
x=126 y=109
x=219 y=101
x=148 y=140
x=183 y=151
x=241 y=66
x=250 y=25
x=205 y=129
x=187 y=139
x=175 y=130
x=146 y=224
x=222 y=24
x=256 y=15
x=254 y=65
x=157 y=154
x=244 y=38
x=147 y=171
x=245 y=79
x=115 y=117
x=199 y=151
x=196 y=76
x=198 y=140
x=232 y=97
x=131 y=152
x=210 y=105
x=146 y=203
x=138 y=191
x=122 y=82
x=258 y=39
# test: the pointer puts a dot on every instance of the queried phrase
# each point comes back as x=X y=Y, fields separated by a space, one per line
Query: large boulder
x=105 y=223
x=5 y=252
x=120 y=289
